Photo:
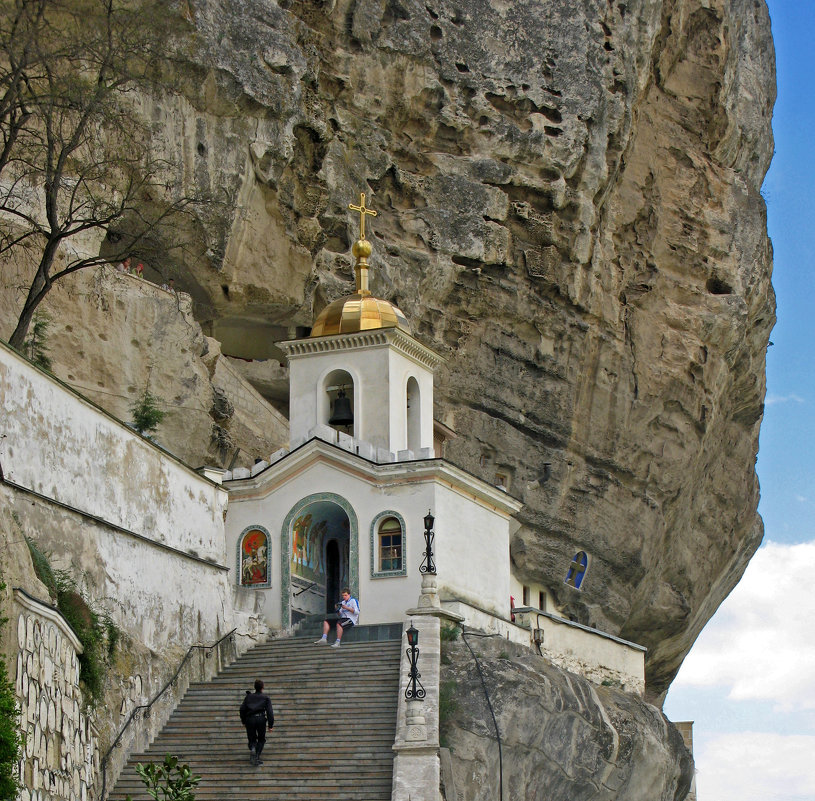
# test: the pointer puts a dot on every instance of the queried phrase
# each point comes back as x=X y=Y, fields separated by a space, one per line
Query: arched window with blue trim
x=388 y=545
x=577 y=570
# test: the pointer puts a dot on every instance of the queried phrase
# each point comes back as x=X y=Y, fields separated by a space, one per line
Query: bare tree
x=75 y=153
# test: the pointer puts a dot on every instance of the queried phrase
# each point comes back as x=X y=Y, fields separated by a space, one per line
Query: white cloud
x=771 y=400
x=756 y=766
x=760 y=645
x=801 y=498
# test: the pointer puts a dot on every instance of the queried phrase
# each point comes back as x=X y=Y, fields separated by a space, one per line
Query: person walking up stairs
x=256 y=711
x=335 y=723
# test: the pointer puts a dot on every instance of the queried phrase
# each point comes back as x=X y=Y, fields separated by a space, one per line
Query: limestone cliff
x=561 y=737
x=569 y=206
x=111 y=335
x=569 y=209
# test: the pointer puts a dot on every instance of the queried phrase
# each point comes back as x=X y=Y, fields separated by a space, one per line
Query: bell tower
x=361 y=379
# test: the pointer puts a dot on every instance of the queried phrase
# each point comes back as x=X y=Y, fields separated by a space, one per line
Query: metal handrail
x=145 y=708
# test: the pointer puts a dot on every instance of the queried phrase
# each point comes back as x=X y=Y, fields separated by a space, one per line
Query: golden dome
x=360 y=311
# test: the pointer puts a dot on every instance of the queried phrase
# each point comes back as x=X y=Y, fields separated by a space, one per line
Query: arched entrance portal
x=320 y=557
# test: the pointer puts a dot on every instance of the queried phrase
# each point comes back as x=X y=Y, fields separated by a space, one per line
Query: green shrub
x=447 y=706
x=168 y=781
x=42 y=567
x=447 y=700
x=94 y=629
x=10 y=740
x=449 y=633
x=147 y=414
x=35 y=346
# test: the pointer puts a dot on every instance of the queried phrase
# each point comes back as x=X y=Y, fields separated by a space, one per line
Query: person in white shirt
x=348 y=610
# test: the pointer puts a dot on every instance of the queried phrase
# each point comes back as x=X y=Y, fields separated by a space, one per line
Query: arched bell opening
x=414 y=415
x=338 y=402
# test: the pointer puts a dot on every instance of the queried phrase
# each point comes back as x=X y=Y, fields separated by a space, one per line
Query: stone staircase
x=335 y=722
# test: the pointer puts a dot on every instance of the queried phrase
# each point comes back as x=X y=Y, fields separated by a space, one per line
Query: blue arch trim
x=285 y=547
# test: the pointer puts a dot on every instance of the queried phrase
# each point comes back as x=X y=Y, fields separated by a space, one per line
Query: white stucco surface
x=591 y=653
x=379 y=363
x=472 y=531
x=61 y=445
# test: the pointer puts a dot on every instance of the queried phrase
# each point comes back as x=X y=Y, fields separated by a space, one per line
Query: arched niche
x=577 y=570
x=254 y=558
x=413 y=401
x=319 y=555
x=335 y=383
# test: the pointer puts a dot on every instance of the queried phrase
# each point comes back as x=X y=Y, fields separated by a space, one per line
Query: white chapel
x=345 y=504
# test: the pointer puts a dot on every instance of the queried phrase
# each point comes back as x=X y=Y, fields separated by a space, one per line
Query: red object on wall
x=511 y=607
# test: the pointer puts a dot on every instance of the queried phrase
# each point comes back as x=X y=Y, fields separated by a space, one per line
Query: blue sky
x=749 y=682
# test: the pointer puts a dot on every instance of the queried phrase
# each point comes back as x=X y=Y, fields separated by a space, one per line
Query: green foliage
x=447 y=706
x=10 y=739
x=35 y=346
x=449 y=633
x=42 y=567
x=94 y=629
x=147 y=414
x=168 y=781
x=447 y=700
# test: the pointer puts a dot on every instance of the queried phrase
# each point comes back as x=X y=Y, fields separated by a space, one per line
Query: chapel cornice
x=382 y=337
x=381 y=474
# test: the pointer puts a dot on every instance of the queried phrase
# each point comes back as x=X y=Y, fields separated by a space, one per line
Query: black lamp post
x=414 y=690
x=428 y=565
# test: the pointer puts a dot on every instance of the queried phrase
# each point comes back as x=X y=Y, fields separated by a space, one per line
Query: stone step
x=335 y=722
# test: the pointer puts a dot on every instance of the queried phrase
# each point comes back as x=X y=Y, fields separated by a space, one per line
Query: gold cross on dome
x=362 y=212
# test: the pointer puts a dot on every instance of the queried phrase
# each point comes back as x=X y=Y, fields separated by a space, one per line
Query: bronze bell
x=342 y=415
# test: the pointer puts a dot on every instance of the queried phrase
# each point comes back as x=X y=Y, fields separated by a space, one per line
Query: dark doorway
x=332 y=575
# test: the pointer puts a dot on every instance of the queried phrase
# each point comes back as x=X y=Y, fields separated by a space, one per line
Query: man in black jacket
x=256 y=712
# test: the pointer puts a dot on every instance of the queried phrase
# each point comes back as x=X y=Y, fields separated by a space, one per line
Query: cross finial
x=361 y=208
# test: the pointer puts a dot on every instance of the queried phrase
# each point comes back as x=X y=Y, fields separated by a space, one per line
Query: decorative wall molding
x=380 y=337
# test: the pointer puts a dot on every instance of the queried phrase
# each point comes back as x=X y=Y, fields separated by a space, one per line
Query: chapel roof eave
x=316 y=449
x=397 y=338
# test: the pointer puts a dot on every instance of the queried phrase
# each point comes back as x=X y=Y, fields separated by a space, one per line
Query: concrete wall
x=141 y=534
x=594 y=654
x=381 y=599
x=472 y=547
x=380 y=365
x=472 y=538
x=61 y=445
x=401 y=369
x=597 y=656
